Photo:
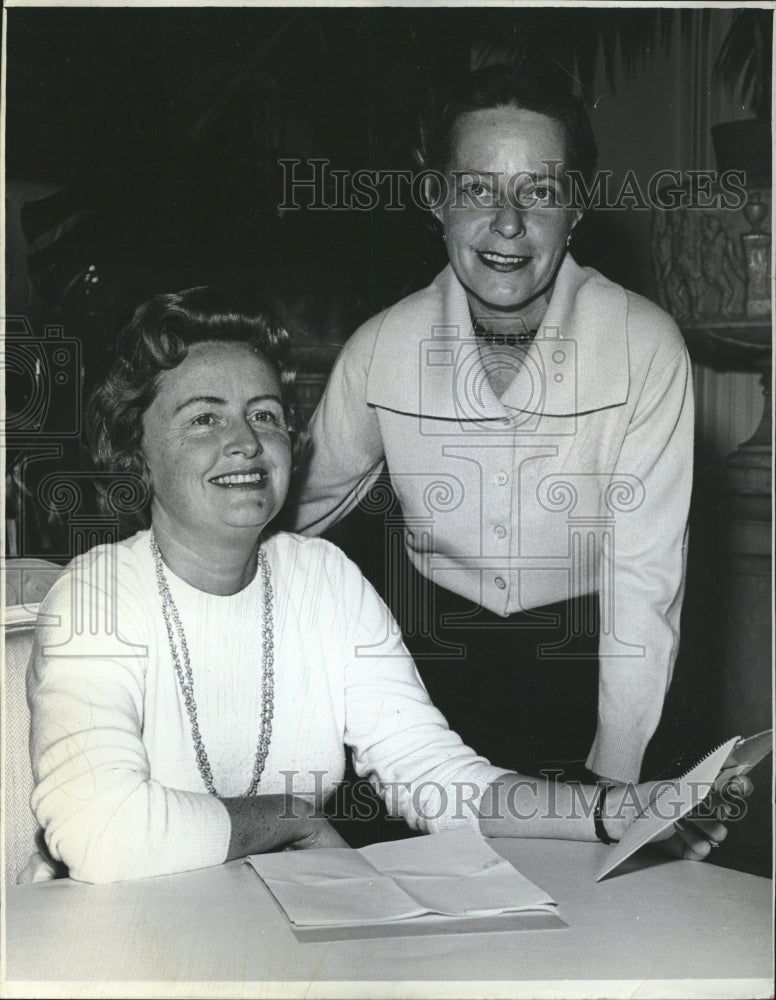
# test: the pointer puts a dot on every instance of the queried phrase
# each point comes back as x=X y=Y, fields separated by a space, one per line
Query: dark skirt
x=521 y=690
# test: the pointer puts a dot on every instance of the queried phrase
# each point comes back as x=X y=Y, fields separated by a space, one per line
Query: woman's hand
x=321 y=834
x=262 y=823
x=693 y=837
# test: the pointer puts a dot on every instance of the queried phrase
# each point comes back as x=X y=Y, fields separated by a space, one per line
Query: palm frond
x=744 y=60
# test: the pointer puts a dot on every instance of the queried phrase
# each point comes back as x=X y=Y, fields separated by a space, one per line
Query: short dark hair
x=156 y=340
x=509 y=86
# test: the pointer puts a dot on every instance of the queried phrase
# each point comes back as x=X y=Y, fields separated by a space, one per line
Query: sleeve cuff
x=459 y=804
x=616 y=756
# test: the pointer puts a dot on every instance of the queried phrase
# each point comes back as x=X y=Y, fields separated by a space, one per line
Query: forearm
x=643 y=580
x=637 y=658
x=518 y=806
x=102 y=812
x=129 y=828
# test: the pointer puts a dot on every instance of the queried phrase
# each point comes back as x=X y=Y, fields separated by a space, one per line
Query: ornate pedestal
x=743 y=344
x=712 y=269
x=729 y=590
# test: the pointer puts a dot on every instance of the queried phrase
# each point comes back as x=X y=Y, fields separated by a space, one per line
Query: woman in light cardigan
x=536 y=421
x=192 y=688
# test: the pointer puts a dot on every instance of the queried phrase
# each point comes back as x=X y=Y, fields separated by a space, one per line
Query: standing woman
x=536 y=421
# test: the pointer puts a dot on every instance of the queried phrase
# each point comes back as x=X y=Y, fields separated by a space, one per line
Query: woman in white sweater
x=193 y=687
x=536 y=421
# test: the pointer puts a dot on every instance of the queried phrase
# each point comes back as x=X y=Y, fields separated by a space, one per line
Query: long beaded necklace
x=185 y=678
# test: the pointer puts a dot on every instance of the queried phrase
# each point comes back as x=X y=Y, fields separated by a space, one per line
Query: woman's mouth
x=242 y=480
x=502 y=262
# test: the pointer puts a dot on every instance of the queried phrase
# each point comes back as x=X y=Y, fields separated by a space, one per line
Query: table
x=659 y=920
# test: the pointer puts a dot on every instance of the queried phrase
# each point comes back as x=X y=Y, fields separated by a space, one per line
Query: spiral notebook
x=681 y=796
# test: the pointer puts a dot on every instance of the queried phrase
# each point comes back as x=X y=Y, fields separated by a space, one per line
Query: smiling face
x=506 y=232
x=216 y=444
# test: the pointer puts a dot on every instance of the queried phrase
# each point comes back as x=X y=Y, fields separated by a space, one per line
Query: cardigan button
x=500 y=531
x=500 y=582
x=501 y=478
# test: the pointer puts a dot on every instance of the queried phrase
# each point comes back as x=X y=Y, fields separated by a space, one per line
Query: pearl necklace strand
x=182 y=665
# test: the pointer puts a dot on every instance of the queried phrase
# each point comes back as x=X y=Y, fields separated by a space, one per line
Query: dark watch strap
x=598 y=818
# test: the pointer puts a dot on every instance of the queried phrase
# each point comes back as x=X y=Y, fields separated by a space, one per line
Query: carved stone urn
x=712 y=273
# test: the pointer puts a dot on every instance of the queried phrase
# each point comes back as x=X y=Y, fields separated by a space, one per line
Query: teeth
x=500 y=258
x=239 y=479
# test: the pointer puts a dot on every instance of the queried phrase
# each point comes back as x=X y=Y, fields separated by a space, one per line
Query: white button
x=500 y=582
x=500 y=531
x=505 y=421
x=501 y=478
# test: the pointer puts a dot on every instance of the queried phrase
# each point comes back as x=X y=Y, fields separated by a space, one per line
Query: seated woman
x=193 y=702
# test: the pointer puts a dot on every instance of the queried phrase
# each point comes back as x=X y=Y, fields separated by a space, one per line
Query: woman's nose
x=508 y=221
x=243 y=440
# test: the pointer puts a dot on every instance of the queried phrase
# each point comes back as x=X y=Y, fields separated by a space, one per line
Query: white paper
x=737 y=756
x=455 y=873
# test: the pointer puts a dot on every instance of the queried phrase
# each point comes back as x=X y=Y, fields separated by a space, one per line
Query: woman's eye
x=476 y=189
x=542 y=194
x=204 y=420
x=266 y=417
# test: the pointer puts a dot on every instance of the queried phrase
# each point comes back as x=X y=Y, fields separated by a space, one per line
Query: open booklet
x=681 y=795
x=455 y=874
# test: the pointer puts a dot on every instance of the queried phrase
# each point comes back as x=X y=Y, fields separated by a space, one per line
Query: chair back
x=26 y=583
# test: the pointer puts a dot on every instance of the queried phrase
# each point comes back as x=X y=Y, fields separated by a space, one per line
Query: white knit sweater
x=118 y=792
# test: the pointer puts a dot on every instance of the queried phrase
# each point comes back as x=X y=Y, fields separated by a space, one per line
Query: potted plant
x=744 y=65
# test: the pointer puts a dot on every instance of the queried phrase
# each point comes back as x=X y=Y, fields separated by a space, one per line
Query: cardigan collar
x=426 y=358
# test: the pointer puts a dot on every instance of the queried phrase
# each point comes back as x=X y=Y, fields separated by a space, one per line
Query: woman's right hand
x=695 y=835
x=321 y=834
